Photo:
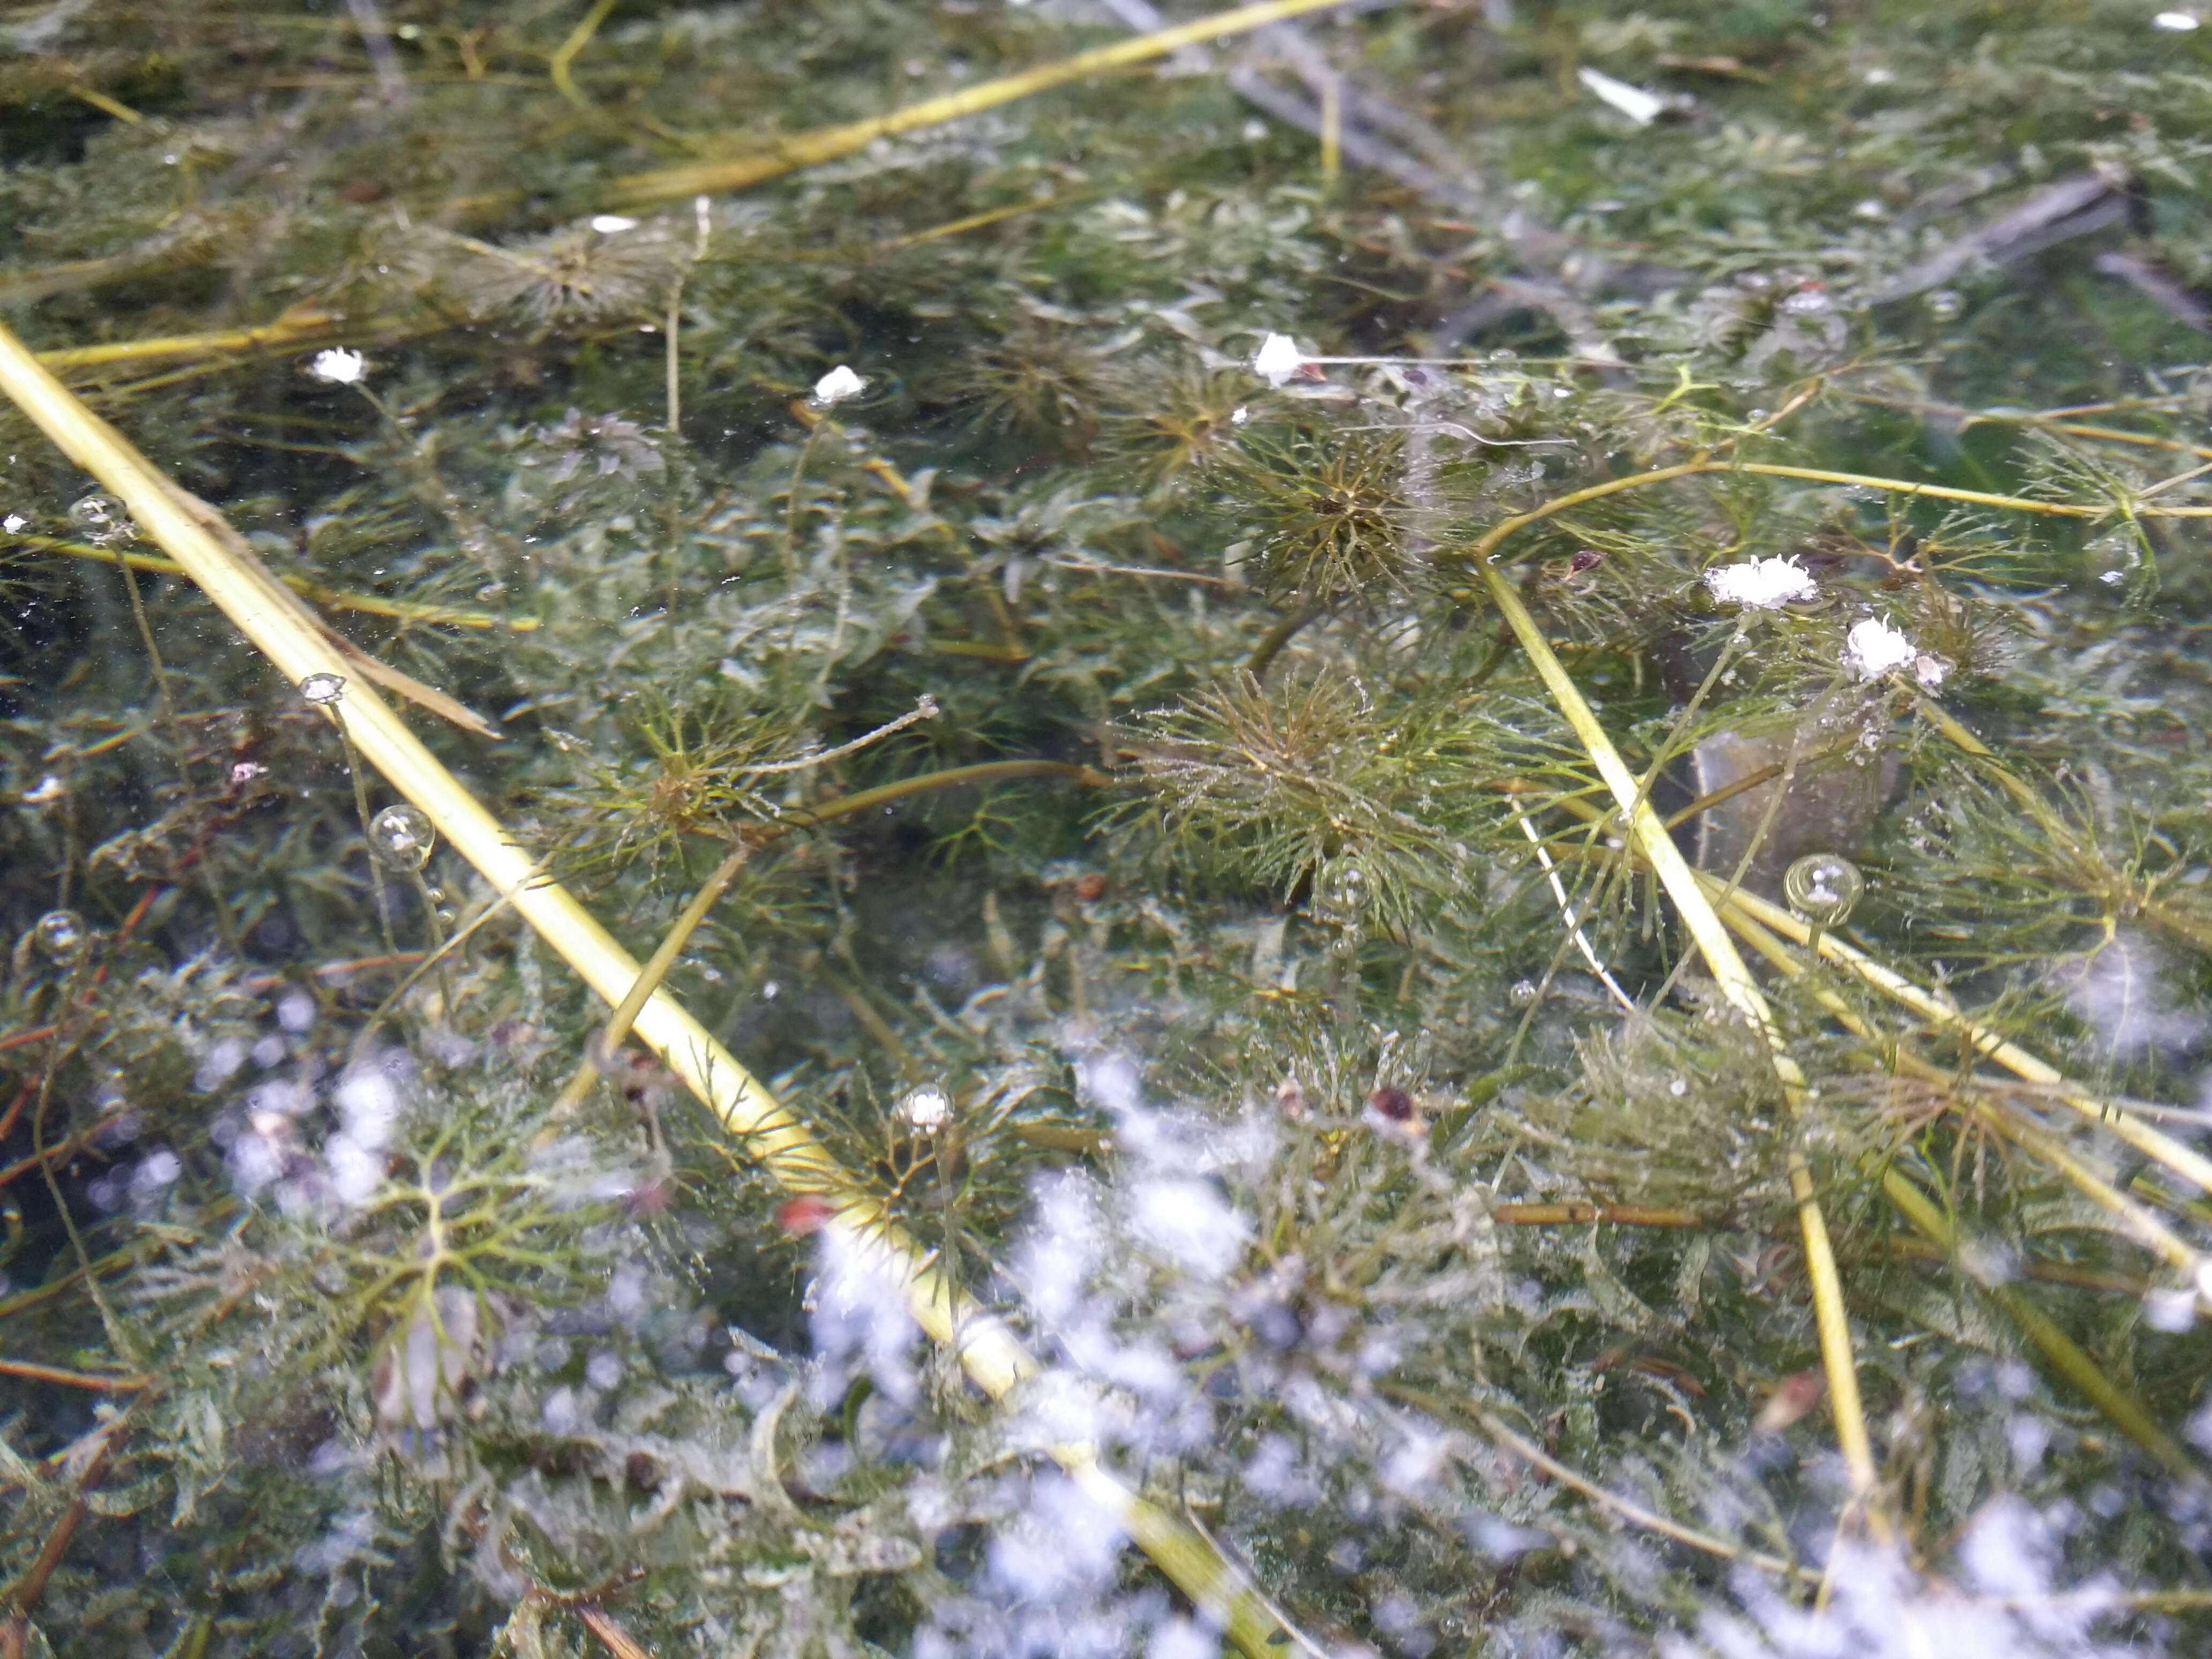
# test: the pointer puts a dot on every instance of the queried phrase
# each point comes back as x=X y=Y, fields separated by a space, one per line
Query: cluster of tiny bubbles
x=401 y=837
x=926 y=1108
x=323 y=689
x=1823 y=888
x=60 y=935
x=101 y=520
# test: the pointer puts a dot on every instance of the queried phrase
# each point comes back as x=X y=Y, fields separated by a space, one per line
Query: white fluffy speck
x=13 y=523
x=367 y=1102
x=1276 y=359
x=1639 y=105
x=1761 y=584
x=2175 y=23
x=338 y=366
x=838 y=384
x=612 y=224
x=1238 y=415
x=927 y=1108
x=355 y=1171
x=1874 y=648
x=1190 y=1222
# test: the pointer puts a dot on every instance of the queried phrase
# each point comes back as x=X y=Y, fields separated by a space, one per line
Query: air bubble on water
x=401 y=837
x=60 y=935
x=1343 y=890
x=1823 y=888
x=1522 y=993
x=323 y=689
x=926 y=1108
x=101 y=518
x=1945 y=304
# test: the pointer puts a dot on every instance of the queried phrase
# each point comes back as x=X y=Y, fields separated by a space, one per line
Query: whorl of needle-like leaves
x=1326 y=514
x=1313 y=782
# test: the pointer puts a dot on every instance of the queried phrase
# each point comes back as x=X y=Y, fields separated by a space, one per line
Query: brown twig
x=31 y=1372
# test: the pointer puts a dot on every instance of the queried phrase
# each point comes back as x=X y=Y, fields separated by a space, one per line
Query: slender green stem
x=2126 y=1412
x=600 y=1054
x=1272 y=643
x=1681 y=884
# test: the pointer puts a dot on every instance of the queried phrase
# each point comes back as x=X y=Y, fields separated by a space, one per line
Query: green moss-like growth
x=1171 y=891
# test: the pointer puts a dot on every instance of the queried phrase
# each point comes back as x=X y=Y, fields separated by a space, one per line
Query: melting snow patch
x=1191 y=1222
x=1276 y=359
x=1874 y=648
x=1761 y=584
x=338 y=366
x=838 y=384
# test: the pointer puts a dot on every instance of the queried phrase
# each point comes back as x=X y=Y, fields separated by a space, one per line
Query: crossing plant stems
x=1169 y=637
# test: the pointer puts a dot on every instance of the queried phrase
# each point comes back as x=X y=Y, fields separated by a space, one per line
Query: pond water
x=995 y=828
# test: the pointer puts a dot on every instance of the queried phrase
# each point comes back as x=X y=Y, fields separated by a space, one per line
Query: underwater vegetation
x=979 y=827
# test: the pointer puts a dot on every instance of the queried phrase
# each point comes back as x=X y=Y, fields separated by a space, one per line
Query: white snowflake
x=339 y=366
x=1761 y=584
x=1276 y=359
x=838 y=384
x=1872 y=648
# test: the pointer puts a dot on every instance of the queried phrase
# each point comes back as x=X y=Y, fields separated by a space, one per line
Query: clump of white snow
x=338 y=366
x=1762 y=584
x=838 y=384
x=1874 y=648
x=1276 y=359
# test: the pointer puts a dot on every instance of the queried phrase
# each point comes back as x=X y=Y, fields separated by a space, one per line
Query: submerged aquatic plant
x=1424 y=810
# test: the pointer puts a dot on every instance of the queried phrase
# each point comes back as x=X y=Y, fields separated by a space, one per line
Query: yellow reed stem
x=1332 y=128
x=2124 y=1411
x=565 y=57
x=301 y=324
x=367 y=605
x=1650 y=838
x=827 y=143
x=2191 y=1165
x=105 y=105
x=765 y=1129
x=599 y=1052
x=2158 y=914
x=2137 y=1220
x=2120 y=1407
